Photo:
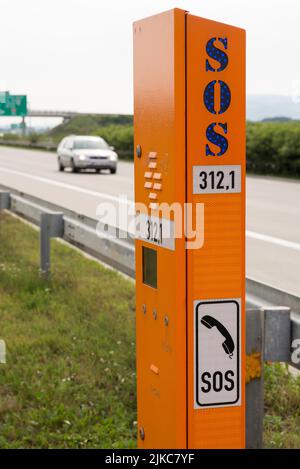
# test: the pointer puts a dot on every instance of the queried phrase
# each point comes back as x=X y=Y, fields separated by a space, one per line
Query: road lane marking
x=249 y=234
x=67 y=186
x=273 y=240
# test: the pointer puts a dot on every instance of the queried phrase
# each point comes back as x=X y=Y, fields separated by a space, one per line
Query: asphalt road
x=273 y=207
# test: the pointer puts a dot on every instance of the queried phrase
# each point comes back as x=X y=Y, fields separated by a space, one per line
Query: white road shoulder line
x=273 y=240
x=67 y=186
x=249 y=234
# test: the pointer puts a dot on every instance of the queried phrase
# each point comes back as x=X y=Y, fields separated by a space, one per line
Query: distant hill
x=260 y=107
x=277 y=119
x=85 y=125
x=116 y=129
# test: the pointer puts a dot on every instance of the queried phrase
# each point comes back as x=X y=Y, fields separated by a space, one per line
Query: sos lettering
x=218 y=381
x=217 y=131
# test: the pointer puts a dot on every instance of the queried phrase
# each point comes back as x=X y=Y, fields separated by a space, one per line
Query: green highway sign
x=13 y=105
x=17 y=126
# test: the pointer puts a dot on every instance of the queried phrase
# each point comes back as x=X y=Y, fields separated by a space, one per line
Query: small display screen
x=150 y=267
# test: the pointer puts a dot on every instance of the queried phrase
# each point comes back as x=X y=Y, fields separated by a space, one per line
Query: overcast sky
x=77 y=54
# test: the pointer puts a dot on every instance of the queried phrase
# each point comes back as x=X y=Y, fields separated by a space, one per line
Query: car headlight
x=113 y=157
x=82 y=157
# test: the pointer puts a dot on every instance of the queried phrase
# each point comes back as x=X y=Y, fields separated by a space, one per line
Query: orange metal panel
x=217 y=270
x=159 y=127
x=171 y=122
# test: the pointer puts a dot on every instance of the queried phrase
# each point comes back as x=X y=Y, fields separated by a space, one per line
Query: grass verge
x=282 y=408
x=69 y=381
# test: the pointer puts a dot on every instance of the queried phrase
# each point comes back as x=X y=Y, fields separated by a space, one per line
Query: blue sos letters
x=216 y=132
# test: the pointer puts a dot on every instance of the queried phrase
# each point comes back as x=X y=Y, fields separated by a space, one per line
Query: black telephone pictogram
x=228 y=344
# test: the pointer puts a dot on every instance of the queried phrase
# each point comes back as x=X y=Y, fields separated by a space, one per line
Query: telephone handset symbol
x=228 y=344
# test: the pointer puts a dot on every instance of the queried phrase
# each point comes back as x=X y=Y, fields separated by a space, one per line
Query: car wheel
x=113 y=170
x=73 y=167
x=60 y=165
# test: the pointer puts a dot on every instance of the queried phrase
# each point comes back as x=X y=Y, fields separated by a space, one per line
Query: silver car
x=85 y=152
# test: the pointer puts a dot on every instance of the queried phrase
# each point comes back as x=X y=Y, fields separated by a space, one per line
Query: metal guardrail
x=94 y=238
x=86 y=233
x=257 y=290
x=263 y=295
x=270 y=328
x=50 y=146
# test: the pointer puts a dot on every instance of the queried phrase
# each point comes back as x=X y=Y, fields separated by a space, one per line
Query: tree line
x=273 y=146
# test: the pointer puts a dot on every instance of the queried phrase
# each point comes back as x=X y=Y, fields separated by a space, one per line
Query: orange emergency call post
x=189 y=131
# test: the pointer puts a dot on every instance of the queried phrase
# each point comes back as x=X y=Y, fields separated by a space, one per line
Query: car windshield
x=90 y=145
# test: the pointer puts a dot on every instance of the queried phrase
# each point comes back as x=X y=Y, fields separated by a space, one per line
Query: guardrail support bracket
x=4 y=200
x=51 y=226
x=277 y=338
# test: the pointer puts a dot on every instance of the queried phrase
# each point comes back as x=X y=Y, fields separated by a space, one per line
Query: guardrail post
x=254 y=378
x=51 y=226
x=295 y=338
x=4 y=200
x=268 y=339
x=277 y=329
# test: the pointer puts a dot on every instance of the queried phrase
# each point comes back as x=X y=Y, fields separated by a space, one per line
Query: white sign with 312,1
x=217 y=179
x=156 y=230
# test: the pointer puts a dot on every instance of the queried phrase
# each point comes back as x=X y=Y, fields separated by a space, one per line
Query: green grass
x=282 y=408
x=69 y=380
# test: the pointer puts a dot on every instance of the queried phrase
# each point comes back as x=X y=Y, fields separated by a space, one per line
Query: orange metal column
x=216 y=272
x=189 y=112
x=159 y=130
